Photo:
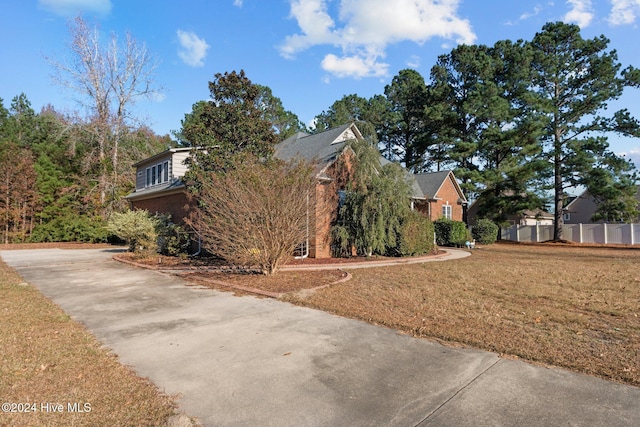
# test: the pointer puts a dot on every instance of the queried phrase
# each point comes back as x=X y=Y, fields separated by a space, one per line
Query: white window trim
x=157 y=174
x=447 y=211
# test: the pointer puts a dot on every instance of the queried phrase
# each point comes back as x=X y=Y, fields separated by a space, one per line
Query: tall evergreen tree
x=229 y=125
x=284 y=122
x=457 y=83
x=574 y=80
x=508 y=153
x=403 y=132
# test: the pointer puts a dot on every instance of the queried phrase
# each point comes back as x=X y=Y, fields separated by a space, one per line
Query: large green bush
x=485 y=231
x=451 y=233
x=416 y=235
x=137 y=228
x=71 y=228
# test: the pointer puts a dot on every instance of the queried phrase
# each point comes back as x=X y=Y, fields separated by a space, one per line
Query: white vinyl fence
x=626 y=234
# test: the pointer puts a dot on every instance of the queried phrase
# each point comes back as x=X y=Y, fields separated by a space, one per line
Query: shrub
x=256 y=213
x=71 y=228
x=451 y=233
x=376 y=201
x=485 y=231
x=137 y=228
x=173 y=239
x=416 y=235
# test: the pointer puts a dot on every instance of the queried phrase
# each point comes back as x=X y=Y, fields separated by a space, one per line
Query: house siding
x=179 y=168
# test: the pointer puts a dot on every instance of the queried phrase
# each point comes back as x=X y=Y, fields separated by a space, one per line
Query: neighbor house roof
x=537 y=213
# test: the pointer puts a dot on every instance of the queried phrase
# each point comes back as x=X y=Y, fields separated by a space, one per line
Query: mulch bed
x=273 y=286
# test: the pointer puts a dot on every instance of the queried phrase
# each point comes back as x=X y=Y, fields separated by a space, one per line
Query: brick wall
x=177 y=205
x=448 y=195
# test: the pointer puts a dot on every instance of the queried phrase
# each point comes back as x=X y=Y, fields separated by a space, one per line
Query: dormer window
x=157 y=174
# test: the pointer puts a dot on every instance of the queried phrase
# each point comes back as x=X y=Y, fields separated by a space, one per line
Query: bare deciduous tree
x=109 y=78
x=256 y=214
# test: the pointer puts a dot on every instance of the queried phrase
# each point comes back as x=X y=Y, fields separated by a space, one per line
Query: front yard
x=568 y=306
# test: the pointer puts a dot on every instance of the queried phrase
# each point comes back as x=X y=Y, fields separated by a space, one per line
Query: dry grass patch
x=48 y=358
x=572 y=307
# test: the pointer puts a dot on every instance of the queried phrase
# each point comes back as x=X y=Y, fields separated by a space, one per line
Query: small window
x=446 y=211
x=165 y=168
x=148 y=183
x=567 y=216
x=159 y=170
x=153 y=175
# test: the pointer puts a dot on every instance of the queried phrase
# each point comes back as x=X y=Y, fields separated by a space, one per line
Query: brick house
x=439 y=195
x=435 y=194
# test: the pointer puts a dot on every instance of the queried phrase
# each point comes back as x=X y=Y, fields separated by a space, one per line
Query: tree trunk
x=558 y=187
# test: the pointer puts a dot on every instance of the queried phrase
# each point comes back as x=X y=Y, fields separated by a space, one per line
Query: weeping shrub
x=376 y=202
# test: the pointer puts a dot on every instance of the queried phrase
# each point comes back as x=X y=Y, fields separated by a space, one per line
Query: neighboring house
x=159 y=185
x=531 y=217
x=435 y=194
x=525 y=217
x=438 y=195
x=582 y=208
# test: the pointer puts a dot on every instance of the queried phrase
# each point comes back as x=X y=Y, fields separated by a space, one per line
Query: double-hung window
x=446 y=211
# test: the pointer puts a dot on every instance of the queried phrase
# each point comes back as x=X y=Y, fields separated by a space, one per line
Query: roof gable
x=166 y=153
x=431 y=182
x=322 y=148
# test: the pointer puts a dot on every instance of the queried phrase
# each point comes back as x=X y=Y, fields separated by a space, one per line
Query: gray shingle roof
x=312 y=147
x=431 y=182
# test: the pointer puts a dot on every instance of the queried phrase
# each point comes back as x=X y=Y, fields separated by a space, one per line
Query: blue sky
x=309 y=52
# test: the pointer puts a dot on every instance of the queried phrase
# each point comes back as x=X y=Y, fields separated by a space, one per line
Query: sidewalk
x=450 y=254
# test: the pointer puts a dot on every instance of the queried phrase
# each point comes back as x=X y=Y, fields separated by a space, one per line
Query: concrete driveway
x=238 y=361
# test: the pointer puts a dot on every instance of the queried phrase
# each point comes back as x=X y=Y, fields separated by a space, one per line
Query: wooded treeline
x=50 y=170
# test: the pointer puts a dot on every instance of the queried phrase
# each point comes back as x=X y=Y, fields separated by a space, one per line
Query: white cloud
x=413 y=62
x=367 y=27
x=237 y=3
x=633 y=155
x=193 y=48
x=581 y=13
x=536 y=11
x=624 y=11
x=354 y=66
x=73 y=7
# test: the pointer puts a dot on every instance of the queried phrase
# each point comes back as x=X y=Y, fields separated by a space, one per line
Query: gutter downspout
x=306 y=244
